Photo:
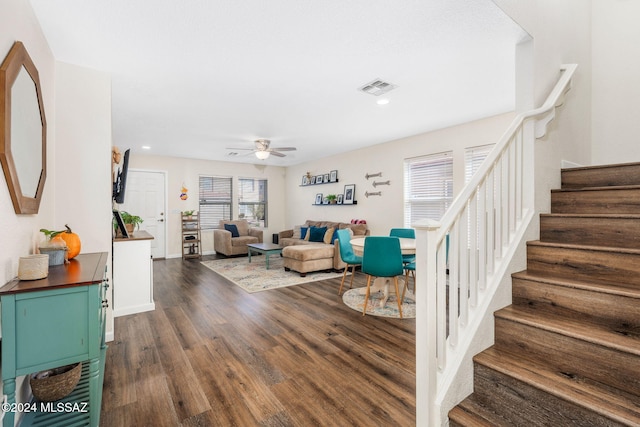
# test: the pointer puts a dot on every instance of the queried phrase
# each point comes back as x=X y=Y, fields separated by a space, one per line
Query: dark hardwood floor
x=213 y=355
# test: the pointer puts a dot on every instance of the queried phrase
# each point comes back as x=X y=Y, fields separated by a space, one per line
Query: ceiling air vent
x=377 y=87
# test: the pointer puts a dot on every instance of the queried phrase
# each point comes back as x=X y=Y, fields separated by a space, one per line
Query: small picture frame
x=339 y=198
x=325 y=178
x=349 y=194
x=319 y=179
x=325 y=201
x=305 y=180
x=333 y=176
x=318 y=199
x=120 y=224
x=313 y=180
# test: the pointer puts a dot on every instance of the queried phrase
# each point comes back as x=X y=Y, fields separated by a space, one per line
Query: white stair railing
x=462 y=259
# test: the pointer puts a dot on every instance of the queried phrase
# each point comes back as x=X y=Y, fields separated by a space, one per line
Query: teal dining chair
x=411 y=267
x=348 y=256
x=382 y=258
x=407 y=233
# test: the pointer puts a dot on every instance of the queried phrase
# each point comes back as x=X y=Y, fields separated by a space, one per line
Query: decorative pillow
x=358 y=229
x=335 y=236
x=316 y=234
x=328 y=236
x=304 y=232
x=297 y=232
x=233 y=229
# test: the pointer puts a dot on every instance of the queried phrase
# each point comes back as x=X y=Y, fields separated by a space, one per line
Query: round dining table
x=407 y=247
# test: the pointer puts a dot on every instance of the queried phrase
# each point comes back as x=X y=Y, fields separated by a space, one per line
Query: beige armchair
x=224 y=243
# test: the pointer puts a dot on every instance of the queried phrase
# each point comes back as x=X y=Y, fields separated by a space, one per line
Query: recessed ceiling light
x=383 y=101
x=146 y=147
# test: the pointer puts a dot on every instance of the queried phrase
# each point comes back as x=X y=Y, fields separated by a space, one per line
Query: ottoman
x=306 y=258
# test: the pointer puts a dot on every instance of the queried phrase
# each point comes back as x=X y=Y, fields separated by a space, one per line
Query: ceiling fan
x=263 y=151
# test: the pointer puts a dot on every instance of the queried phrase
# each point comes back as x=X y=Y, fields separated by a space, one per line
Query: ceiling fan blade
x=284 y=148
x=275 y=153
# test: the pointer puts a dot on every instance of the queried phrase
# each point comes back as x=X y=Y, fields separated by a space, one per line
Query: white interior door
x=145 y=196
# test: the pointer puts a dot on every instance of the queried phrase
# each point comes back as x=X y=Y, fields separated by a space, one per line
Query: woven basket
x=56 y=386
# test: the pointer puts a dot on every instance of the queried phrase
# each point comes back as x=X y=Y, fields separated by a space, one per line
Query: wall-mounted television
x=121 y=180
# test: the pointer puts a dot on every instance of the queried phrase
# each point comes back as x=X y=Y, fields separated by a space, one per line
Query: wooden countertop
x=85 y=269
x=137 y=235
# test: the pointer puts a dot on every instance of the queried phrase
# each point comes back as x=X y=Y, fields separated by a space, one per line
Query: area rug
x=354 y=298
x=255 y=277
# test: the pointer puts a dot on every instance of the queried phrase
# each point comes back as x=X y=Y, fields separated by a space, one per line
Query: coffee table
x=264 y=248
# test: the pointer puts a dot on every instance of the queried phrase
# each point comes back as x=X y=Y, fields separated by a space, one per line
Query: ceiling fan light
x=262 y=155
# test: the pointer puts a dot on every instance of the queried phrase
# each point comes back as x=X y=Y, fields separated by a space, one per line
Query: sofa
x=293 y=237
x=232 y=236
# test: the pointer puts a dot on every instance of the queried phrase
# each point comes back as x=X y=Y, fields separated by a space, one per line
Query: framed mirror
x=23 y=130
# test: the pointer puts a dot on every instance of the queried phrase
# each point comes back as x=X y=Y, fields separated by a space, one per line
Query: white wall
x=386 y=211
x=83 y=160
x=561 y=34
x=183 y=171
x=616 y=81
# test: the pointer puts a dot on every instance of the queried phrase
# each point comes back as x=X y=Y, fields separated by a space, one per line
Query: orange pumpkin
x=72 y=240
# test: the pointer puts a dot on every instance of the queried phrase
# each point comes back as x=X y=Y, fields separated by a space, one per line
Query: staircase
x=567 y=351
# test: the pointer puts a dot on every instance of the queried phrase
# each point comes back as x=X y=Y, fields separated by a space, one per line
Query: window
x=252 y=201
x=215 y=200
x=473 y=158
x=428 y=187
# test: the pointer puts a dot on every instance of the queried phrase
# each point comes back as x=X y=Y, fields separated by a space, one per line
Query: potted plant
x=188 y=214
x=130 y=221
x=332 y=198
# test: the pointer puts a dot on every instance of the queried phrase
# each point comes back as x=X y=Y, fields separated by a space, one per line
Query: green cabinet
x=54 y=322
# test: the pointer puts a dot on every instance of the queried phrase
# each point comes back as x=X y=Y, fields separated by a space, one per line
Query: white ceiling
x=190 y=78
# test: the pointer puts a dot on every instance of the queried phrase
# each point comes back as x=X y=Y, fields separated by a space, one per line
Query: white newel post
x=426 y=320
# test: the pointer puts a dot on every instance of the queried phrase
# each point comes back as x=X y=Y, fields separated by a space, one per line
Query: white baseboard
x=565 y=164
x=135 y=309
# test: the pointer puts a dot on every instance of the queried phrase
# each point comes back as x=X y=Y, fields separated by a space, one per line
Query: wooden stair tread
x=597 y=167
x=471 y=413
x=602 y=188
x=591 y=215
x=625 y=338
x=613 y=288
x=618 y=407
x=594 y=248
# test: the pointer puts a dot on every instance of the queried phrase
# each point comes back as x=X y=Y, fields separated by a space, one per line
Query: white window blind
x=428 y=187
x=215 y=200
x=473 y=158
x=252 y=201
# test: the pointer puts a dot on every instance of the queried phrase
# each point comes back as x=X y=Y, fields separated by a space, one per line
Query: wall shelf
x=355 y=202
x=322 y=183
